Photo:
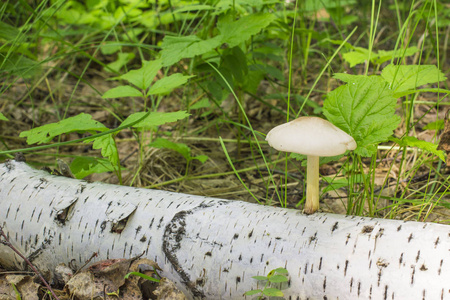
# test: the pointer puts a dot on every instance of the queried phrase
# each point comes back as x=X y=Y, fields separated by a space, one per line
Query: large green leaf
x=231 y=32
x=80 y=123
x=412 y=141
x=364 y=108
x=167 y=84
x=406 y=77
x=143 y=77
x=181 y=148
x=359 y=55
x=122 y=91
x=235 y=32
x=176 y=48
x=108 y=147
x=154 y=118
x=84 y=166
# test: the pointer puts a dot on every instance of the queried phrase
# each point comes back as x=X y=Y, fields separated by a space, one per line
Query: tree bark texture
x=211 y=248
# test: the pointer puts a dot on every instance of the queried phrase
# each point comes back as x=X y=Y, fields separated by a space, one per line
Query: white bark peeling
x=210 y=248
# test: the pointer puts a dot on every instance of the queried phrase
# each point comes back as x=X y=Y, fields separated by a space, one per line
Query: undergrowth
x=179 y=95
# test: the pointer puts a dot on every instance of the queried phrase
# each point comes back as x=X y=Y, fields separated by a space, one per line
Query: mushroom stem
x=312 y=185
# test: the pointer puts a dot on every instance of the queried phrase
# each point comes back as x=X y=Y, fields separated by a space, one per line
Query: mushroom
x=313 y=137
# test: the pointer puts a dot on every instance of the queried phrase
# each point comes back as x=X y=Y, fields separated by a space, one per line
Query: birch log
x=211 y=248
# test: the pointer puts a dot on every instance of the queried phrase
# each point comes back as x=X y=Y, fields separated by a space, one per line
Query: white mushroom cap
x=310 y=136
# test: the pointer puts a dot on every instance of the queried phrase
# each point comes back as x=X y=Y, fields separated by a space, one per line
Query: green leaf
x=260 y=277
x=200 y=158
x=356 y=57
x=122 y=60
x=231 y=32
x=142 y=276
x=278 y=278
x=383 y=56
x=122 y=91
x=167 y=84
x=236 y=62
x=80 y=123
x=281 y=271
x=85 y=165
x=19 y=65
x=143 y=77
x=3 y=118
x=235 y=32
x=203 y=103
x=438 y=125
x=8 y=32
x=252 y=292
x=181 y=148
x=108 y=145
x=109 y=48
x=360 y=55
x=335 y=184
x=176 y=48
x=272 y=292
x=154 y=118
x=402 y=78
x=411 y=141
x=365 y=109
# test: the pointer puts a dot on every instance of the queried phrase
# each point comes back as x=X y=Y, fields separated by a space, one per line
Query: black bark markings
x=410 y=237
x=436 y=242
x=313 y=238
x=324 y=284
x=367 y=229
x=160 y=222
x=7 y=211
x=138 y=229
x=440 y=267
x=381 y=263
x=345 y=268
x=412 y=274
x=42 y=181
x=418 y=256
x=335 y=226
x=174 y=233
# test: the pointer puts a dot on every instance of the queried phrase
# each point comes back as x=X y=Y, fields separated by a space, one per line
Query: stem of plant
x=312 y=184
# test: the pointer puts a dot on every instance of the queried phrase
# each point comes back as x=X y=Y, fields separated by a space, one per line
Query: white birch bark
x=210 y=248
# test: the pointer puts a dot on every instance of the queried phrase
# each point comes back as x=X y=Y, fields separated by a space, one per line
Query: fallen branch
x=211 y=248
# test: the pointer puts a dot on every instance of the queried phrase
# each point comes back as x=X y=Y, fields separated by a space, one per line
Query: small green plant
x=142 y=86
x=278 y=275
x=143 y=276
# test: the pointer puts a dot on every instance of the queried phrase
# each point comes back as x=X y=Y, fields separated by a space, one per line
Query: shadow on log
x=211 y=248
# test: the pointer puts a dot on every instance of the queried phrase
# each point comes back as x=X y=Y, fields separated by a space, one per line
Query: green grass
x=239 y=70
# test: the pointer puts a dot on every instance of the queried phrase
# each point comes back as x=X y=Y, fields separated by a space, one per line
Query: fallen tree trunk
x=211 y=248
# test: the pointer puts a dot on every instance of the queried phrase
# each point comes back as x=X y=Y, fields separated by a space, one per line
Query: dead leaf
x=27 y=288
